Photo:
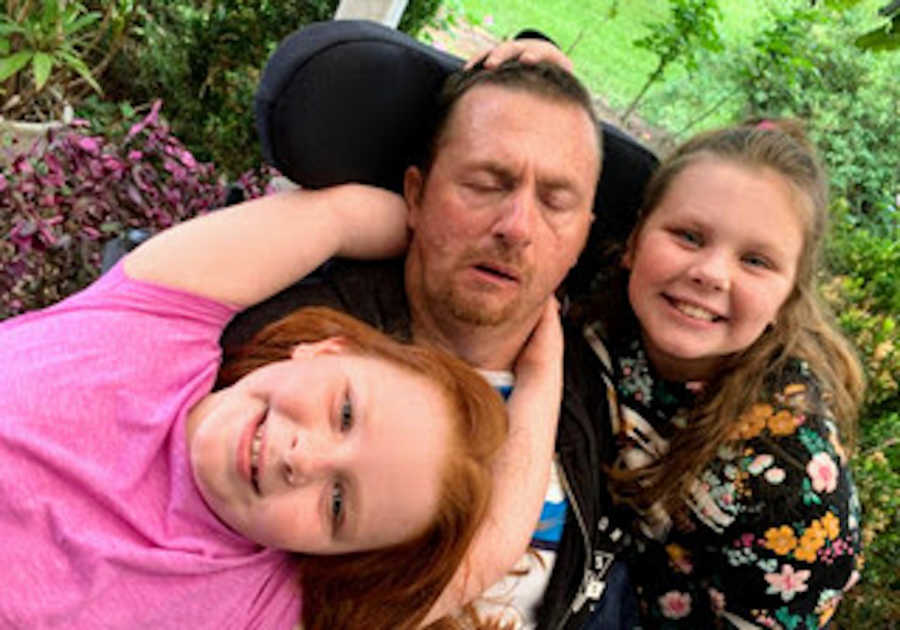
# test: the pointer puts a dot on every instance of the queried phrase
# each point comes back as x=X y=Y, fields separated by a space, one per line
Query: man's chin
x=481 y=312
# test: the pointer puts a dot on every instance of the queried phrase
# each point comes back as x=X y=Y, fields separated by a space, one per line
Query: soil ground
x=465 y=40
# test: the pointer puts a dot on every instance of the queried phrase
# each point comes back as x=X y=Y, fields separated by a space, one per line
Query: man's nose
x=712 y=270
x=515 y=225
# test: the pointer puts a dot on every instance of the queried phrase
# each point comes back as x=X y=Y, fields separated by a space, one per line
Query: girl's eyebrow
x=348 y=528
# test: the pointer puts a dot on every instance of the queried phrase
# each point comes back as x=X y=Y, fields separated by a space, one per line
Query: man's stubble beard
x=474 y=309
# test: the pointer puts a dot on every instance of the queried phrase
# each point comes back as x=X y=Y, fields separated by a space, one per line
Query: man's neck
x=485 y=347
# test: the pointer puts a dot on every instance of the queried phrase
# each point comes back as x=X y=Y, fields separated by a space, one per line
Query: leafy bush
x=418 y=15
x=802 y=66
x=877 y=474
x=52 y=53
x=61 y=199
x=864 y=259
x=691 y=26
x=205 y=59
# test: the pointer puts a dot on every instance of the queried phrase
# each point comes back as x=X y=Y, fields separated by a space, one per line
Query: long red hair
x=394 y=587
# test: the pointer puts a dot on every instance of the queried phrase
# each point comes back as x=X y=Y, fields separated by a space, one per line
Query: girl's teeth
x=695 y=311
x=255 y=448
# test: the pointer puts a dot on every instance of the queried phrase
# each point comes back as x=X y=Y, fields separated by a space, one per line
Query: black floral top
x=770 y=537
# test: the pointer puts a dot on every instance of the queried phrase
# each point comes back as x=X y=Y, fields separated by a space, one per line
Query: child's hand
x=542 y=355
x=529 y=51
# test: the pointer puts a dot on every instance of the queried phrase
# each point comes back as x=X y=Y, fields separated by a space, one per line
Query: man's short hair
x=546 y=80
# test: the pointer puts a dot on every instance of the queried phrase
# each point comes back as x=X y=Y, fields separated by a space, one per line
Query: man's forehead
x=475 y=99
x=478 y=107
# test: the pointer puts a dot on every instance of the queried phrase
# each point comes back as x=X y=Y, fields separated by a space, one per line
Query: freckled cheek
x=454 y=232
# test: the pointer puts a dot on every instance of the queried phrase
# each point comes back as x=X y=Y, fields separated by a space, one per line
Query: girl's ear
x=309 y=350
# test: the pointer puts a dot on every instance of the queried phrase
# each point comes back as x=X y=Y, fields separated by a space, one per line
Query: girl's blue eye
x=690 y=237
x=346 y=413
x=757 y=261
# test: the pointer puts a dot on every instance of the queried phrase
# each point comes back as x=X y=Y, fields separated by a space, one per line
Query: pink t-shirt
x=101 y=524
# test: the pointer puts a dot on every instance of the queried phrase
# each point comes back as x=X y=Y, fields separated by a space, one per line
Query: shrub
x=418 y=15
x=205 y=59
x=877 y=473
x=800 y=63
x=863 y=256
x=52 y=52
x=62 y=198
x=802 y=66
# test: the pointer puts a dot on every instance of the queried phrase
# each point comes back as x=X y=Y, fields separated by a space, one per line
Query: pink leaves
x=61 y=199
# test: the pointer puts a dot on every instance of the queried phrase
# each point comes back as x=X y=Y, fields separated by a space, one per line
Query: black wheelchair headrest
x=352 y=100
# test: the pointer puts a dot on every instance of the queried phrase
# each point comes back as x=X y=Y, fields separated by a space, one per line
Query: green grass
x=600 y=44
x=603 y=53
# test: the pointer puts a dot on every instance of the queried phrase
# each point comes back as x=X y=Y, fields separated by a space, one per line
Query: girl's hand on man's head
x=529 y=51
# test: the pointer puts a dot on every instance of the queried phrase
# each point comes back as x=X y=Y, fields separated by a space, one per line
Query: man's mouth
x=505 y=274
x=255 y=451
x=694 y=311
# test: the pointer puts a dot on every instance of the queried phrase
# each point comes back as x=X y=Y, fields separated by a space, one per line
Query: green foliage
x=420 y=14
x=868 y=249
x=205 y=60
x=886 y=36
x=877 y=474
x=801 y=66
x=54 y=38
x=691 y=26
x=863 y=258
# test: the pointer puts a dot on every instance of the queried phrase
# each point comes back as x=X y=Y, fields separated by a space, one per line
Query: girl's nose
x=712 y=272
x=312 y=457
x=308 y=459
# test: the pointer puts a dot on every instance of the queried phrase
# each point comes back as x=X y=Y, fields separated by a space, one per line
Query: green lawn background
x=600 y=44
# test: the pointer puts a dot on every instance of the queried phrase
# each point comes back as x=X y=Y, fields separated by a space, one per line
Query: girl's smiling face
x=327 y=452
x=713 y=263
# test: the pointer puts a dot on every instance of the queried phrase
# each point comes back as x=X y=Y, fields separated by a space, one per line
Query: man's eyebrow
x=555 y=182
x=494 y=168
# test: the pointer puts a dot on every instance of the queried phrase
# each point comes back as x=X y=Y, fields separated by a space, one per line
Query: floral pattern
x=788 y=582
x=771 y=532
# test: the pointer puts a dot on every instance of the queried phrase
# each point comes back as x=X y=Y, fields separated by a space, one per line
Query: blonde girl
x=733 y=395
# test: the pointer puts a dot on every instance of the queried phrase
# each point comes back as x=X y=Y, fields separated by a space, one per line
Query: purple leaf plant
x=63 y=197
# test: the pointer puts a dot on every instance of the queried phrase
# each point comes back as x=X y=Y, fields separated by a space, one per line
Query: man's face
x=505 y=209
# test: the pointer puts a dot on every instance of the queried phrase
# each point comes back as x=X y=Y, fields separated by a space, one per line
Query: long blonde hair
x=803 y=329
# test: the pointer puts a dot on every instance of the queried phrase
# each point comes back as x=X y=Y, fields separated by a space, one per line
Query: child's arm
x=521 y=469
x=245 y=253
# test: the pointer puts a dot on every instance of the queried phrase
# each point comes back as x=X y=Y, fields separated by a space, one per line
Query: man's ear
x=311 y=349
x=628 y=256
x=413 y=188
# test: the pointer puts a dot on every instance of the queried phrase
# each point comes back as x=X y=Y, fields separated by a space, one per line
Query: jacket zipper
x=584 y=535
